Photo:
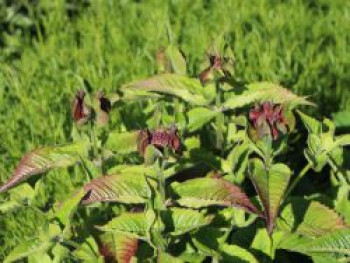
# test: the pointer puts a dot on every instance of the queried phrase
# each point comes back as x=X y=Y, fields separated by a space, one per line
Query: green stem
x=298 y=178
x=160 y=164
x=161 y=182
x=219 y=121
x=337 y=172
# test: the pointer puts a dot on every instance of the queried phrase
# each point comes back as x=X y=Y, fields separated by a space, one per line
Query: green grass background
x=302 y=44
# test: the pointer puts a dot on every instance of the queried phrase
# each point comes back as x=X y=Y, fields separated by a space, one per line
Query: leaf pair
x=128 y=228
x=323 y=146
x=270 y=184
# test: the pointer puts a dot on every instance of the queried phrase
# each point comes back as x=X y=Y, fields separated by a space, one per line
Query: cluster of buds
x=81 y=112
x=221 y=66
x=268 y=119
x=160 y=139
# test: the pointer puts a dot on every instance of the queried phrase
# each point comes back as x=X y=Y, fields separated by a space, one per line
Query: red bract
x=159 y=138
x=267 y=115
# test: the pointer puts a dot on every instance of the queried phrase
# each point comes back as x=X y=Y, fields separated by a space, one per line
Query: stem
x=161 y=182
x=297 y=179
x=219 y=121
x=160 y=164
x=337 y=172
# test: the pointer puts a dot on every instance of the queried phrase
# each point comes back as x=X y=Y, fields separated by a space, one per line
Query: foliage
x=201 y=161
x=177 y=189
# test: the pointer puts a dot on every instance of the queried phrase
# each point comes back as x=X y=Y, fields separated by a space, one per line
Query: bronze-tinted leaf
x=116 y=188
x=202 y=192
x=270 y=185
x=118 y=247
x=42 y=160
x=187 y=89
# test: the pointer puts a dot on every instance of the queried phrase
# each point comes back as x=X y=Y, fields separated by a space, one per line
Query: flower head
x=160 y=138
x=268 y=119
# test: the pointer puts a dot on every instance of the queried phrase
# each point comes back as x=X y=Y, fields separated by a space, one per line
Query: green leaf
x=236 y=254
x=41 y=257
x=23 y=192
x=129 y=189
x=9 y=206
x=88 y=251
x=342 y=119
x=309 y=218
x=335 y=244
x=133 y=224
x=21 y=195
x=28 y=248
x=202 y=192
x=66 y=209
x=187 y=89
x=44 y=159
x=122 y=142
x=167 y=258
x=324 y=259
x=198 y=117
x=208 y=240
x=262 y=242
x=139 y=95
x=238 y=160
x=176 y=59
x=151 y=154
x=60 y=253
x=341 y=203
x=265 y=91
x=316 y=154
x=121 y=246
x=342 y=140
x=311 y=124
x=192 y=256
x=270 y=186
x=181 y=220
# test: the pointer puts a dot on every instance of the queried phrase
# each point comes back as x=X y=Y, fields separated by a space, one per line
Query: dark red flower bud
x=105 y=104
x=80 y=112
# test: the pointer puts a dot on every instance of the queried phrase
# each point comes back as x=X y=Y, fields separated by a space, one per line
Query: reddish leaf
x=188 y=89
x=118 y=247
x=116 y=188
x=203 y=192
x=42 y=160
x=270 y=184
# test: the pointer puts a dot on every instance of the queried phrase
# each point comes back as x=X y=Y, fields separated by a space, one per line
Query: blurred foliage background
x=47 y=47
